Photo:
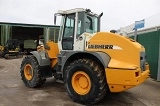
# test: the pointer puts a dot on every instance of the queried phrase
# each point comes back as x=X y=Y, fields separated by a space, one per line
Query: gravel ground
x=13 y=92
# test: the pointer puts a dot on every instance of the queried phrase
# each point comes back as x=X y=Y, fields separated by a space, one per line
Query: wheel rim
x=28 y=71
x=81 y=82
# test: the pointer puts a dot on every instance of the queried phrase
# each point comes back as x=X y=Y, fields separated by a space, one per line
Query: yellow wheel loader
x=1 y=50
x=90 y=62
x=11 y=50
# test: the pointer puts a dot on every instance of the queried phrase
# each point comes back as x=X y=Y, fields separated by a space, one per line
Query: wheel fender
x=103 y=57
x=42 y=57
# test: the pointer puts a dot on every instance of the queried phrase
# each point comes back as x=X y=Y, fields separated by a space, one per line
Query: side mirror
x=100 y=15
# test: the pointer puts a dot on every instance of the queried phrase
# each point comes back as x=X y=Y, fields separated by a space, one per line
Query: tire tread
x=38 y=81
x=100 y=74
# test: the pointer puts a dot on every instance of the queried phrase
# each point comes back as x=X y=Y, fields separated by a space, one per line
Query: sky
x=116 y=13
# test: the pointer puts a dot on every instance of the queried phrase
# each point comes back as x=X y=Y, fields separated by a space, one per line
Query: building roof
x=26 y=25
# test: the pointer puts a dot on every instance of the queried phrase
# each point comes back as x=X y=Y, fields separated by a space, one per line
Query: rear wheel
x=1 y=53
x=30 y=72
x=6 y=56
x=85 y=81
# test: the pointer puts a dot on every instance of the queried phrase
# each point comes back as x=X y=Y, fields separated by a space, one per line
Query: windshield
x=91 y=23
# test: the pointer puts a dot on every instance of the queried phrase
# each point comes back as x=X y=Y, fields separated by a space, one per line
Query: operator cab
x=75 y=24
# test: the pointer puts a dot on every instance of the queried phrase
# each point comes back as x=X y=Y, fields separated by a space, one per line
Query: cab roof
x=76 y=10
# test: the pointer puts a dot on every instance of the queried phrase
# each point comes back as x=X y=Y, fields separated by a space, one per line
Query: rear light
x=136 y=74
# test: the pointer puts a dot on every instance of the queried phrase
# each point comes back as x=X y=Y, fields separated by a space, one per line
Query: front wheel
x=85 y=81
x=30 y=72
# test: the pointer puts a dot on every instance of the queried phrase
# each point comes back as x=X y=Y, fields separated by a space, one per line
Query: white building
x=151 y=23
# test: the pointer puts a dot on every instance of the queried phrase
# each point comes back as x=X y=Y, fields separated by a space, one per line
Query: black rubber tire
x=36 y=81
x=98 y=81
x=1 y=53
x=7 y=56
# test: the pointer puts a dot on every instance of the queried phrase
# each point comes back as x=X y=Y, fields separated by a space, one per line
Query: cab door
x=68 y=34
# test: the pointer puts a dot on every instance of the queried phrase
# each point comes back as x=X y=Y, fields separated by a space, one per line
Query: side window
x=69 y=26
x=89 y=26
x=80 y=26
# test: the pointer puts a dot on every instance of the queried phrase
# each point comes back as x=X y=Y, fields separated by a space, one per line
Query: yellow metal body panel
x=123 y=71
x=120 y=79
x=53 y=52
x=129 y=51
x=121 y=64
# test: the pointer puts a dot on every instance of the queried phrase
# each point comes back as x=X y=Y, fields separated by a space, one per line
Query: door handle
x=80 y=38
